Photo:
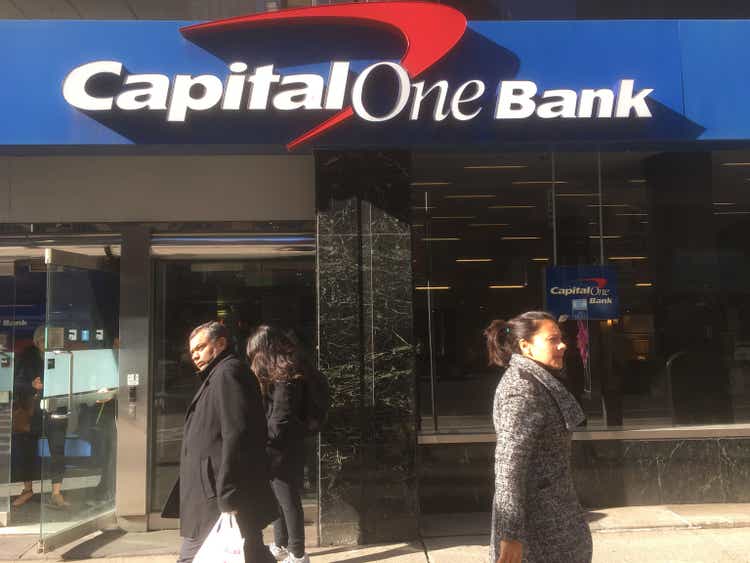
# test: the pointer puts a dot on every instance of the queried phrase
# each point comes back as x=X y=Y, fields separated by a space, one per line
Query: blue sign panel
x=341 y=75
x=582 y=292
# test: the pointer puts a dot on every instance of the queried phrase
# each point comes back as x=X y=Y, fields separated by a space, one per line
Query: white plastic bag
x=224 y=544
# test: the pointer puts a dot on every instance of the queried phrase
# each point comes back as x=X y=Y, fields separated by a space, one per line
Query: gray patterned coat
x=535 y=500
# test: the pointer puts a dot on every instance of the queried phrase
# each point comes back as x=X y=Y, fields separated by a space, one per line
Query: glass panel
x=580 y=235
x=23 y=316
x=7 y=333
x=241 y=294
x=671 y=230
x=482 y=235
x=78 y=442
x=597 y=10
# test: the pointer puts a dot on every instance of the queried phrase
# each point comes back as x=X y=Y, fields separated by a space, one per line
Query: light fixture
x=521 y=237
x=439 y=239
x=605 y=236
x=489 y=224
x=432 y=287
x=462 y=260
x=644 y=284
x=537 y=182
x=637 y=181
x=508 y=286
x=723 y=203
x=525 y=206
x=431 y=183
x=495 y=167
x=731 y=212
x=470 y=196
x=627 y=258
x=540 y=259
x=735 y=163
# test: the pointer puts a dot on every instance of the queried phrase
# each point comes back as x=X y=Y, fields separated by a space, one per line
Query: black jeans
x=56 y=429
x=289 y=528
x=25 y=462
x=255 y=551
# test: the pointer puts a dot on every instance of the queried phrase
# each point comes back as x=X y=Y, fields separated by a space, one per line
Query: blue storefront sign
x=342 y=75
x=582 y=292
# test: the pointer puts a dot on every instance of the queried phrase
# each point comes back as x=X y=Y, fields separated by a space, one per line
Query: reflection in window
x=672 y=226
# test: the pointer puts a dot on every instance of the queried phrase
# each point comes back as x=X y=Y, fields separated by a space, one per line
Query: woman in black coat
x=536 y=516
x=279 y=364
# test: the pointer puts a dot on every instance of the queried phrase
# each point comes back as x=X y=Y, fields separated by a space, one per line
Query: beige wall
x=156 y=188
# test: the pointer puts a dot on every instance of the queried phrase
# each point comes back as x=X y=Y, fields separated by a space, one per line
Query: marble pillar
x=367 y=455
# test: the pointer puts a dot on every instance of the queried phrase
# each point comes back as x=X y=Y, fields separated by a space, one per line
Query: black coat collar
x=205 y=375
x=206 y=372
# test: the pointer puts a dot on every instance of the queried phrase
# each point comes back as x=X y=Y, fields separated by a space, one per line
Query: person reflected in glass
x=280 y=365
x=26 y=416
x=27 y=426
x=536 y=516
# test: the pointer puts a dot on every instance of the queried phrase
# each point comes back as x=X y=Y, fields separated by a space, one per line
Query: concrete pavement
x=706 y=533
x=716 y=545
x=664 y=545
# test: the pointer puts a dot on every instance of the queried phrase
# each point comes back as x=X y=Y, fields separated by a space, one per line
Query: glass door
x=78 y=440
x=22 y=290
x=7 y=339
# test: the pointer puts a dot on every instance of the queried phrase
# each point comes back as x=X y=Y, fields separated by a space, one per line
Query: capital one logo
x=594 y=287
x=429 y=30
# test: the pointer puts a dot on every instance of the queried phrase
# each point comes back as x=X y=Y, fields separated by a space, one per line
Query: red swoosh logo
x=429 y=30
x=600 y=282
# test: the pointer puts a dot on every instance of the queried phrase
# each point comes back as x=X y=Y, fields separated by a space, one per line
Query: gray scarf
x=569 y=408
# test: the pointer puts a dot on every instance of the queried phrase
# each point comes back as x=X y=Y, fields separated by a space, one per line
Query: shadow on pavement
x=88 y=548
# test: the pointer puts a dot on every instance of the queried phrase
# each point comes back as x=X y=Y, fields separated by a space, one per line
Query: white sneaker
x=279 y=553
x=292 y=559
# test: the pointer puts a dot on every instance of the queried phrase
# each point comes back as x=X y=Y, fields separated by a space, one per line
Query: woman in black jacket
x=280 y=366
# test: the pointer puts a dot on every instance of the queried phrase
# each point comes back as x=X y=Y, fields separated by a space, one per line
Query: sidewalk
x=706 y=533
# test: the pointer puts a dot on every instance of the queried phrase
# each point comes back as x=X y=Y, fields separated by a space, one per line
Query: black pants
x=255 y=550
x=56 y=430
x=25 y=462
x=289 y=528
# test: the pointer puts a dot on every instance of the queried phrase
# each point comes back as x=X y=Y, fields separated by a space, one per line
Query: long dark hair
x=503 y=336
x=275 y=356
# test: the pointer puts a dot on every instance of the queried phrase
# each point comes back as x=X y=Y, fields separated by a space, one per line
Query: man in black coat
x=223 y=464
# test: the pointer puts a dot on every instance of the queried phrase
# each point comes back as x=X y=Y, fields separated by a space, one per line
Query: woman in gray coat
x=536 y=515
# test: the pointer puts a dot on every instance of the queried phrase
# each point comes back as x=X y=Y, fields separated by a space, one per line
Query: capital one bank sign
x=430 y=32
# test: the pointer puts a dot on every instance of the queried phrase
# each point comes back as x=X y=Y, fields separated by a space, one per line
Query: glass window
x=142 y=10
x=596 y=9
x=488 y=230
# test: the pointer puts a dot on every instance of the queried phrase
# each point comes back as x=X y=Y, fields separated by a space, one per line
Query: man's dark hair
x=213 y=329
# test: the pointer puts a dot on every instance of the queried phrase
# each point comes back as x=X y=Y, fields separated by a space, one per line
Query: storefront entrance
x=241 y=281
x=59 y=314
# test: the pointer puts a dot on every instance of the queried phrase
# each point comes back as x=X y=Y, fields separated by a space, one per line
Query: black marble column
x=368 y=482
x=608 y=473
